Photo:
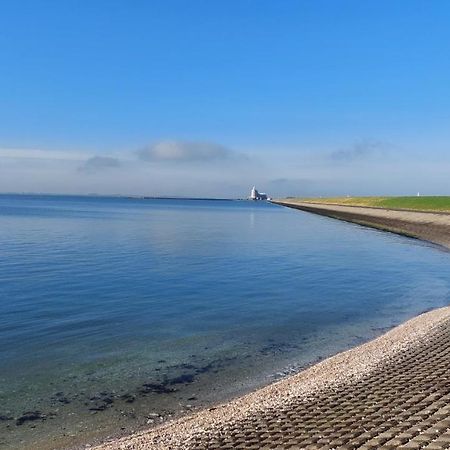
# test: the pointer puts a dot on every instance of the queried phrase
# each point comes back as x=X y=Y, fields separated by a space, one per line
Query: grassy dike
x=431 y=204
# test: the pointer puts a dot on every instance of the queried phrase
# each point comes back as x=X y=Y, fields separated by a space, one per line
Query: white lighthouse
x=255 y=195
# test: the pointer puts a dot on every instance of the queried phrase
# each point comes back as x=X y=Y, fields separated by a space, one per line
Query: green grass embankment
x=435 y=203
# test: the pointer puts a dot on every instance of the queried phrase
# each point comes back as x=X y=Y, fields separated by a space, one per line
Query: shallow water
x=114 y=312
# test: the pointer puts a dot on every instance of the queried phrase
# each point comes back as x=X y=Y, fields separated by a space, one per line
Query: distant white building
x=255 y=195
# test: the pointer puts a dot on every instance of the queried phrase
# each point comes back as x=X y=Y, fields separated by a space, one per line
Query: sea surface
x=120 y=313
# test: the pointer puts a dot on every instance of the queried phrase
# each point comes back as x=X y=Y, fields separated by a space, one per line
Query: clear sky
x=202 y=97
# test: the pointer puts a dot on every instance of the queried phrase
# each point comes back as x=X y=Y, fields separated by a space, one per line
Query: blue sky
x=209 y=97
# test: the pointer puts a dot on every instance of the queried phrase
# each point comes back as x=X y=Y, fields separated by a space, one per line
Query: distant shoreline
x=118 y=196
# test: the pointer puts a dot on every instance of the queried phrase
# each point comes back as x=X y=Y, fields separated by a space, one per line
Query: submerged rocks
x=65 y=401
x=98 y=407
x=205 y=369
x=59 y=397
x=30 y=416
x=101 y=401
x=184 y=378
x=157 y=388
x=128 y=398
x=164 y=387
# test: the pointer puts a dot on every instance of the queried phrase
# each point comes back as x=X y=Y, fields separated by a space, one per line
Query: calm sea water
x=114 y=312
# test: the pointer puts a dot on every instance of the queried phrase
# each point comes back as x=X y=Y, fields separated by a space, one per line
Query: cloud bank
x=208 y=169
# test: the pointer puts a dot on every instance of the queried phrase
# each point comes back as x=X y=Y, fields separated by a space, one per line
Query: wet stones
x=188 y=376
x=184 y=378
x=30 y=416
x=128 y=398
x=64 y=400
x=165 y=386
x=4 y=418
x=152 y=417
x=108 y=400
x=98 y=407
x=157 y=388
x=205 y=369
x=59 y=397
x=101 y=401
